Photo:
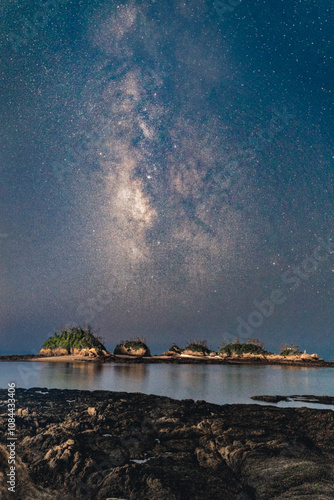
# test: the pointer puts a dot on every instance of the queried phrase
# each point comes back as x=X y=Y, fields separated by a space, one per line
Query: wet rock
x=324 y=400
x=156 y=448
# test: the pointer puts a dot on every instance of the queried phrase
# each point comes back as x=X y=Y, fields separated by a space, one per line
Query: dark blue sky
x=166 y=166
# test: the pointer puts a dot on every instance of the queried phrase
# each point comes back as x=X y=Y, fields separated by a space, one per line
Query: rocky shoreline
x=103 y=445
x=324 y=400
x=112 y=358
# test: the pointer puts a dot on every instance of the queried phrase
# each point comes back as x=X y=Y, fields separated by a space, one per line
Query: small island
x=83 y=344
x=76 y=342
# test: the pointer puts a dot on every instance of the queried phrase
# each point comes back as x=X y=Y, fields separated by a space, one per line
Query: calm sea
x=213 y=383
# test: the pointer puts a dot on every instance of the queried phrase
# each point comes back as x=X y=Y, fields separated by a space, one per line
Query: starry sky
x=167 y=171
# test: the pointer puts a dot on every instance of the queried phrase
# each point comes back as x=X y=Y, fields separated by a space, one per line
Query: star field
x=164 y=165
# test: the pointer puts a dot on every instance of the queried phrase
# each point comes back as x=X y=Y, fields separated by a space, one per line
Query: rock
x=53 y=352
x=92 y=352
x=77 y=351
x=174 y=349
x=132 y=348
x=146 y=446
x=45 y=352
x=190 y=352
x=22 y=412
x=95 y=352
x=306 y=357
x=325 y=400
x=270 y=399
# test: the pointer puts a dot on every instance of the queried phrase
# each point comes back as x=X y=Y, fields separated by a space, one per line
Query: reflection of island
x=71 y=372
x=134 y=371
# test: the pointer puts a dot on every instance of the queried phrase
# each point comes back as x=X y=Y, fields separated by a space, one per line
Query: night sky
x=167 y=171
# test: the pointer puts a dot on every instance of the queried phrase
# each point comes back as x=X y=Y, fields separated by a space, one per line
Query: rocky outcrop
x=92 y=352
x=193 y=349
x=242 y=356
x=174 y=350
x=58 y=351
x=298 y=360
x=312 y=358
x=103 y=445
x=132 y=348
x=325 y=400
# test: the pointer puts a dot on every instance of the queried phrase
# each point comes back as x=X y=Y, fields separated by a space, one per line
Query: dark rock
x=132 y=348
x=270 y=399
x=102 y=445
x=324 y=400
x=174 y=350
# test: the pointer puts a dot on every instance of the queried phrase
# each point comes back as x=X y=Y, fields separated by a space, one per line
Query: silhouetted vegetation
x=293 y=350
x=134 y=344
x=255 y=342
x=198 y=345
x=175 y=348
x=242 y=349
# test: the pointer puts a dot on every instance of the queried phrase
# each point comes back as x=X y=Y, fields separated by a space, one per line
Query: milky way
x=163 y=166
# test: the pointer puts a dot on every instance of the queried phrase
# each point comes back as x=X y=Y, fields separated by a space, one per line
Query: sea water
x=220 y=384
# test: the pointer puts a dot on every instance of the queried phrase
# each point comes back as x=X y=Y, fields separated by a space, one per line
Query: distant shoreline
x=206 y=360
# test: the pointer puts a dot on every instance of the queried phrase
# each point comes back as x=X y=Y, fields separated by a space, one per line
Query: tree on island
x=255 y=342
x=293 y=350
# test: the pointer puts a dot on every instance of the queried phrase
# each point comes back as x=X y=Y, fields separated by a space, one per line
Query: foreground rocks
x=103 y=445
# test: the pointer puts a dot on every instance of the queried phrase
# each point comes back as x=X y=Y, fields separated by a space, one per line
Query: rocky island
x=105 y=445
x=75 y=342
x=80 y=344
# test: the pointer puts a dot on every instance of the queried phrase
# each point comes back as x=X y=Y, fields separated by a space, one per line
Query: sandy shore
x=183 y=359
x=62 y=359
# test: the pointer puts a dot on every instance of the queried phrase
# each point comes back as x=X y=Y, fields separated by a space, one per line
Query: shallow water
x=218 y=384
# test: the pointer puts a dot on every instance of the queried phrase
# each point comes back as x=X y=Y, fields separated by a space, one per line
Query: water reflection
x=138 y=371
x=213 y=383
x=72 y=375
